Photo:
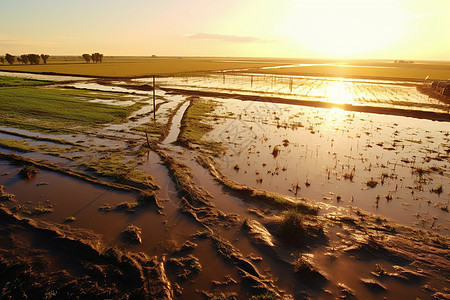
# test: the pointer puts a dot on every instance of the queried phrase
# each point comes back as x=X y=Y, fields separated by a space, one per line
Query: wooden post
x=154 y=101
x=146 y=136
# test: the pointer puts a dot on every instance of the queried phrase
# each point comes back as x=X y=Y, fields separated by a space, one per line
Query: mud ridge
x=92 y=269
x=247 y=192
x=52 y=167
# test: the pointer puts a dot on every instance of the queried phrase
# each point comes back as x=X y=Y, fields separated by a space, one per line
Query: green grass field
x=58 y=110
x=7 y=81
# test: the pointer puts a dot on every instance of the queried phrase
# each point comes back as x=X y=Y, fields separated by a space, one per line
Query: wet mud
x=236 y=225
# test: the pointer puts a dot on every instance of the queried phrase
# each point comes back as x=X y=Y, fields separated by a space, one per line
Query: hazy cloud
x=226 y=38
x=13 y=43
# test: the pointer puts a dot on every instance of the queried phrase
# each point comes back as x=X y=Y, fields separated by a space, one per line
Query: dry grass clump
x=129 y=206
x=438 y=190
x=132 y=234
x=265 y=296
x=70 y=219
x=372 y=183
x=115 y=167
x=147 y=197
x=28 y=171
x=291 y=226
x=5 y=196
x=185 y=267
x=32 y=211
x=202 y=234
x=276 y=150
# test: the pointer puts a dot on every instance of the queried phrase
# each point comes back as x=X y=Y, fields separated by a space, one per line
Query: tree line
x=32 y=59
x=94 y=57
x=35 y=59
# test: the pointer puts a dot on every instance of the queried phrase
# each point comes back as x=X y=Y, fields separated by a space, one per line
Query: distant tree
x=24 y=58
x=19 y=60
x=10 y=58
x=44 y=58
x=86 y=57
x=97 y=57
x=2 y=60
x=34 y=59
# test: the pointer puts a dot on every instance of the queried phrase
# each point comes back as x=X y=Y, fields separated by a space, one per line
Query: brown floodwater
x=317 y=151
x=333 y=153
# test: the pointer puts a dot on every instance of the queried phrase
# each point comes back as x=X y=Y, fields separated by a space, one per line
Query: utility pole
x=154 y=101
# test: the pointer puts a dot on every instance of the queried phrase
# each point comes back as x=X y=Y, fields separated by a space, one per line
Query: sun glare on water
x=342 y=28
x=339 y=92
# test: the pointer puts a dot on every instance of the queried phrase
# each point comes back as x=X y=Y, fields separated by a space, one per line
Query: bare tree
x=44 y=58
x=86 y=57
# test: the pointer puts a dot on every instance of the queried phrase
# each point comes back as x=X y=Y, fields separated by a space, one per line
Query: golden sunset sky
x=391 y=29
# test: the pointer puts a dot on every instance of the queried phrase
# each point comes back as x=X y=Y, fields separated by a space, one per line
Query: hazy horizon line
x=247 y=57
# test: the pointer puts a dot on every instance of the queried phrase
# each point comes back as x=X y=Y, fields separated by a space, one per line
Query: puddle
x=113 y=102
x=107 y=88
x=42 y=76
x=176 y=125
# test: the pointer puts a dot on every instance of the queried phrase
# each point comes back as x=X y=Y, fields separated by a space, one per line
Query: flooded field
x=359 y=92
x=223 y=197
x=333 y=156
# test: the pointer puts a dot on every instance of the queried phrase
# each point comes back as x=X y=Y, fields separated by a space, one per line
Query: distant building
x=403 y=61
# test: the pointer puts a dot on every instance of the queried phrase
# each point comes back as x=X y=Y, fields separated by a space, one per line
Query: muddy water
x=42 y=76
x=106 y=88
x=176 y=125
x=319 y=149
x=71 y=197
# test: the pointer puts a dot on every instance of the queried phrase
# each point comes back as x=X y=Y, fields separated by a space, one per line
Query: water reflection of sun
x=340 y=92
x=335 y=118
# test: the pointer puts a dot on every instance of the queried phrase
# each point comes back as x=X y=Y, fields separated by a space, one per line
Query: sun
x=344 y=28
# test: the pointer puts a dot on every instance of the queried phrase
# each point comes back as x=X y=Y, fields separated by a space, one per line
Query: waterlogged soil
x=332 y=156
x=357 y=92
x=194 y=237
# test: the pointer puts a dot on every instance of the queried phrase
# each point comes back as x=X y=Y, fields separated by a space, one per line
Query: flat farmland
x=134 y=67
x=385 y=70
